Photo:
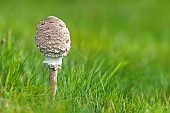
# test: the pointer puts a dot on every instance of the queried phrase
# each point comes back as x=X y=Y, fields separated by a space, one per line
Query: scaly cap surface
x=52 y=37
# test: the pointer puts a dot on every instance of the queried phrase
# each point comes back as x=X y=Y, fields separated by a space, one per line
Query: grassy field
x=118 y=62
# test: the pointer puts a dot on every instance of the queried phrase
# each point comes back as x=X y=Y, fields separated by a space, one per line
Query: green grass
x=118 y=62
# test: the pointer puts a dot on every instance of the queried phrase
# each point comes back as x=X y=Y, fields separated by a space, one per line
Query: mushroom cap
x=52 y=37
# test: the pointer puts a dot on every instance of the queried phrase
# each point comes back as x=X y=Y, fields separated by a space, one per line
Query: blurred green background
x=132 y=33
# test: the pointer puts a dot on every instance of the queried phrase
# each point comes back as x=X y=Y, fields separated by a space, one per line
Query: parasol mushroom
x=53 y=40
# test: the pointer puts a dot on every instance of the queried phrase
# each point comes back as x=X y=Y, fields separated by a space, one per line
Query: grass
x=119 y=60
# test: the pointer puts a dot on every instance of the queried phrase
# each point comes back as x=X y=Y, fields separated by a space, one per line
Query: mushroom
x=53 y=40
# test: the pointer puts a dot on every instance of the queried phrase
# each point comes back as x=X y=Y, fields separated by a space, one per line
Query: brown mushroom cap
x=52 y=37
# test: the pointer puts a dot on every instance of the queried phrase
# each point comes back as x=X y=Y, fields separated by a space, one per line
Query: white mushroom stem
x=54 y=64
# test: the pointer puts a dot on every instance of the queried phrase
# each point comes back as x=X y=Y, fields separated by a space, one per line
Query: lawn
x=118 y=61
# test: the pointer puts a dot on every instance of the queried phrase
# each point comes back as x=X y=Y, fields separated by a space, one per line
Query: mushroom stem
x=53 y=64
x=53 y=81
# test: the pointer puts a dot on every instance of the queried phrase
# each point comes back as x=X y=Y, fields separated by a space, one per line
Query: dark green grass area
x=118 y=62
